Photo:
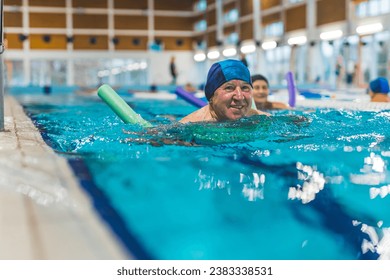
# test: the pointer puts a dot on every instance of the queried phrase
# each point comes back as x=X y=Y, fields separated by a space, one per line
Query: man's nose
x=238 y=94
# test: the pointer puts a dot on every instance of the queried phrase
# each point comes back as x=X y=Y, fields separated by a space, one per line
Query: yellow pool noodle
x=120 y=107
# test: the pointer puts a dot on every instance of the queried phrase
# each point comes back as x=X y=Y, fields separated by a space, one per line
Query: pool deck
x=44 y=212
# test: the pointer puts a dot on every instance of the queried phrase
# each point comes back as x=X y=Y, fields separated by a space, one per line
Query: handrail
x=1 y=66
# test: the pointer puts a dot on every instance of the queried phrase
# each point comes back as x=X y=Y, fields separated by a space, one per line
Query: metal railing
x=1 y=66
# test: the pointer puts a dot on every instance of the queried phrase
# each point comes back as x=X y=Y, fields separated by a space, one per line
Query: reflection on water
x=382 y=191
x=297 y=185
x=211 y=182
x=253 y=188
x=373 y=170
x=313 y=183
x=378 y=241
x=252 y=185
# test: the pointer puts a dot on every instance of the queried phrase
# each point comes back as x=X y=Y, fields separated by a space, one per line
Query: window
x=48 y=72
x=231 y=16
x=200 y=25
x=201 y=6
x=232 y=38
x=128 y=72
x=274 y=29
x=13 y=72
x=279 y=58
x=361 y=9
x=372 y=8
x=86 y=72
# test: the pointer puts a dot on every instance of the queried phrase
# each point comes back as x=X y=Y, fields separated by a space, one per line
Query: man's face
x=232 y=100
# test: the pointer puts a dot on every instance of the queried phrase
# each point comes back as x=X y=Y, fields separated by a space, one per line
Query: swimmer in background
x=228 y=90
x=379 y=89
x=189 y=88
x=261 y=92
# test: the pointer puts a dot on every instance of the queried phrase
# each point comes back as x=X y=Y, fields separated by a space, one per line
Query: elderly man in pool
x=229 y=92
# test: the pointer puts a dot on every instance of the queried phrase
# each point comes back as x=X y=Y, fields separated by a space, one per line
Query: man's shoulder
x=254 y=112
x=197 y=116
x=279 y=105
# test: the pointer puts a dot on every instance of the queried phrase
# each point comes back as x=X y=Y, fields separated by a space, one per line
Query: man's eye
x=246 y=88
x=229 y=88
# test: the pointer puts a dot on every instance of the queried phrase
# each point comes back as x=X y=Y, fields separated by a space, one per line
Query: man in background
x=173 y=71
x=379 y=89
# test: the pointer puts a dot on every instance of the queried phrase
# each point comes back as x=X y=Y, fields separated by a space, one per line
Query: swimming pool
x=297 y=185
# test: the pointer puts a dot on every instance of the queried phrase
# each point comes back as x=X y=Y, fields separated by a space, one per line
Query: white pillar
x=219 y=19
x=350 y=17
x=259 y=64
x=69 y=46
x=387 y=43
x=1 y=68
x=150 y=39
x=111 y=27
x=311 y=18
x=26 y=44
x=150 y=21
x=373 y=62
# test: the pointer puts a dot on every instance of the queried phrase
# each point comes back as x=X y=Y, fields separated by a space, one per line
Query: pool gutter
x=44 y=212
x=1 y=67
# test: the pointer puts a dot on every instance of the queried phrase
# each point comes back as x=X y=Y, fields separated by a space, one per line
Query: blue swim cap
x=379 y=85
x=224 y=71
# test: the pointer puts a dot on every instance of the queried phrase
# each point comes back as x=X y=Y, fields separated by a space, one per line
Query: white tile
x=71 y=240
x=12 y=210
x=15 y=243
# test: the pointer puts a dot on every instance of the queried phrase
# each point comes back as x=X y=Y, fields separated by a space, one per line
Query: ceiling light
x=199 y=57
x=213 y=54
x=300 y=40
x=369 y=28
x=250 y=48
x=229 y=52
x=269 y=45
x=331 y=35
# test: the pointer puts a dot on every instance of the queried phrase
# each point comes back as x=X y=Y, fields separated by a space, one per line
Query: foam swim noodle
x=120 y=107
x=291 y=88
x=190 y=98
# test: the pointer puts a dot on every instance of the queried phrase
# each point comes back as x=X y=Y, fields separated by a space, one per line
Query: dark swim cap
x=379 y=85
x=224 y=71
x=260 y=77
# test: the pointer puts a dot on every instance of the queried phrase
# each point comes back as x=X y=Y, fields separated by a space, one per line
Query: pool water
x=295 y=185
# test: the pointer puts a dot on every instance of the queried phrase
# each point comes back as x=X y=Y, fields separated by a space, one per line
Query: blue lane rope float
x=190 y=98
x=120 y=107
x=291 y=89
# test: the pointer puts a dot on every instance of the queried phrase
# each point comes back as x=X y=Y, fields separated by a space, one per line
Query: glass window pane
x=274 y=29
x=361 y=9
x=231 y=16
x=200 y=25
x=13 y=72
x=48 y=72
x=232 y=38
x=373 y=7
x=201 y=6
x=86 y=71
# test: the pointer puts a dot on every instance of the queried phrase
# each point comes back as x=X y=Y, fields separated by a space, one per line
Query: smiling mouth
x=237 y=107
